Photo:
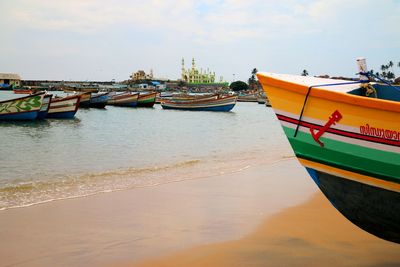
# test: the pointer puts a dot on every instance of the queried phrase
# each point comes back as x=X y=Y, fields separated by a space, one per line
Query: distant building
x=195 y=76
x=140 y=75
x=10 y=79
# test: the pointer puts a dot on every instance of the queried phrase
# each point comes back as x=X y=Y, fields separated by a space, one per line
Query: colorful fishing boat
x=63 y=107
x=125 y=99
x=147 y=99
x=44 y=109
x=99 y=100
x=22 y=108
x=348 y=139
x=221 y=103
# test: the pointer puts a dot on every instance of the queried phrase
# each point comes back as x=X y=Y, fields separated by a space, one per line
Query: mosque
x=195 y=76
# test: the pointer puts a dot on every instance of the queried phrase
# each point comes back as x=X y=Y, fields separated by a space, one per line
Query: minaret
x=193 y=64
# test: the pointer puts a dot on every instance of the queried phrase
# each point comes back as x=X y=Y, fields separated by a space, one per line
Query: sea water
x=117 y=148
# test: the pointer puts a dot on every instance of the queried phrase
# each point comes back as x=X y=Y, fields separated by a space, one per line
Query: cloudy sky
x=110 y=39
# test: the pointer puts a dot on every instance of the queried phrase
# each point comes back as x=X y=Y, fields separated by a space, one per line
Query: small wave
x=23 y=194
x=28 y=193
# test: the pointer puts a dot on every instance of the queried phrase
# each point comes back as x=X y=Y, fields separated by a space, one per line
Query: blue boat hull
x=61 y=115
x=99 y=102
x=225 y=108
x=42 y=115
x=30 y=115
x=131 y=104
x=373 y=209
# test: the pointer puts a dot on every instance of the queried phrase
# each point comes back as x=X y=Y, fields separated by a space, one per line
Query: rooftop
x=9 y=76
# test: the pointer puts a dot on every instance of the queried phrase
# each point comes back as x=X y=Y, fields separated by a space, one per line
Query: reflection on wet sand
x=313 y=234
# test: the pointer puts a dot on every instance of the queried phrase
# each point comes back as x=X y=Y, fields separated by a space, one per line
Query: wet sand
x=312 y=234
x=134 y=225
x=193 y=222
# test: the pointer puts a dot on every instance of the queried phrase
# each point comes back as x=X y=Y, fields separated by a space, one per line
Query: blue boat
x=22 y=108
x=125 y=99
x=99 y=100
x=219 y=103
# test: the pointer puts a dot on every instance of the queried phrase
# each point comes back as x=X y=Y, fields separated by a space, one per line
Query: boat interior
x=378 y=90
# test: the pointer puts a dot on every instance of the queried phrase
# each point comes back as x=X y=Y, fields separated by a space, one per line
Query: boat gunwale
x=21 y=98
x=375 y=103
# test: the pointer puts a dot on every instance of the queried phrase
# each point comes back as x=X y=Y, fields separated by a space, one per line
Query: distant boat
x=126 y=99
x=6 y=87
x=64 y=107
x=348 y=139
x=247 y=98
x=85 y=100
x=223 y=103
x=146 y=99
x=163 y=95
x=23 y=108
x=99 y=100
x=23 y=91
x=261 y=98
x=44 y=109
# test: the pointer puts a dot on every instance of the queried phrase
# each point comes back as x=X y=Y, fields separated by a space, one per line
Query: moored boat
x=126 y=99
x=23 y=91
x=146 y=99
x=98 y=100
x=63 y=107
x=221 y=103
x=22 y=108
x=349 y=142
x=247 y=98
x=85 y=99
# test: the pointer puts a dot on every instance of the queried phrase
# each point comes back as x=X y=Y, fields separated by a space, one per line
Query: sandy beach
x=149 y=222
x=193 y=222
x=311 y=234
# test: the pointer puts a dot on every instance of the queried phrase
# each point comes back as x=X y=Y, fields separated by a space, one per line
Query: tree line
x=386 y=71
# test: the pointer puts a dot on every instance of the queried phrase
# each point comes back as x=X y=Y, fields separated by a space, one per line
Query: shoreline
x=311 y=234
x=150 y=222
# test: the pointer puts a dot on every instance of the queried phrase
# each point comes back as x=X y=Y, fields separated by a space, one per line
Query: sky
x=110 y=39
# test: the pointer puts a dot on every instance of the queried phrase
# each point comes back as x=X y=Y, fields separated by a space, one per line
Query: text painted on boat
x=380 y=132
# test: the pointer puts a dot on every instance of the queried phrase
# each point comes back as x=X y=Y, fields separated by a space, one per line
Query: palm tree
x=390 y=65
x=304 y=73
x=390 y=75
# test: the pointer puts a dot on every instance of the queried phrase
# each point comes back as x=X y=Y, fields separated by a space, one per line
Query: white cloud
x=210 y=28
x=204 y=20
